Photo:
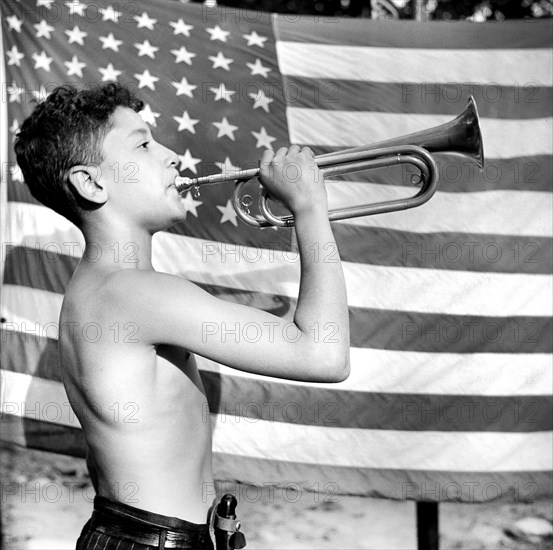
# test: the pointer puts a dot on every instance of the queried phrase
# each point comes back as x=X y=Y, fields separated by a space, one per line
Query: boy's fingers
x=294 y=149
x=308 y=151
x=280 y=154
x=266 y=158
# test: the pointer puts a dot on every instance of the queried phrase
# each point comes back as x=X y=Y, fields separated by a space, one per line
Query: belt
x=135 y=530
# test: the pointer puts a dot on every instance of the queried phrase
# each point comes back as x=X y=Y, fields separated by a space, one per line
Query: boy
x=65 y=150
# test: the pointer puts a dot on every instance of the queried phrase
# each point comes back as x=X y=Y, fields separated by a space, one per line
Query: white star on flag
x=225 y=128
x=188 y=162
x=148 y=115
x=186 y=123
x=190 y=204
x=43 y=30
x=42 y=61
x=227 y=167
x=261 y=100
x=146 y=49
x=217 y=33
x=109 y=73
x=15 y=56
x=45 y=3
x=74 y=67
x=110 y=42
x=259 y=68
x=229 y=214
x=76 y=7
x=145 y=20
x=110 y=14
x=76 y=35
x=14 y=23
x=146 y=79
x=15 y=92
x=255 y=39
x=183 y=54
x=220 y=61
x=222 y=93
x=180 y=27
x=183 y=88
x=263 y=138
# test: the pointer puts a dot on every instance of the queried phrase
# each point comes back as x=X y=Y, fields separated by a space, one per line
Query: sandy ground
x=46 y=499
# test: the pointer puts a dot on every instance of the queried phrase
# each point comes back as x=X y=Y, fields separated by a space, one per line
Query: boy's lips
x=175 y=181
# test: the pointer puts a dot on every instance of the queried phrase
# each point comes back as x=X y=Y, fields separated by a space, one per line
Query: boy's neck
x=118 y=247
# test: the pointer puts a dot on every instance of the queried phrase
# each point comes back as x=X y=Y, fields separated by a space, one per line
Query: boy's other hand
x=292 y=176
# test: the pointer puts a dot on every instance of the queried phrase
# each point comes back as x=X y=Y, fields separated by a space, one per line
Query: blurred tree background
x=422 y=10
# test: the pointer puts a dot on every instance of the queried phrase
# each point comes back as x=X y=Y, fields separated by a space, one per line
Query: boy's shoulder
x=115 y=291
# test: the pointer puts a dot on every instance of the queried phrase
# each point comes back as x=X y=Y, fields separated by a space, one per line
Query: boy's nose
x=172 y=158
x=169 y=156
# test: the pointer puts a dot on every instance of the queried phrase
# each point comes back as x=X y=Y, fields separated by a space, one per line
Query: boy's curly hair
x=65 y=130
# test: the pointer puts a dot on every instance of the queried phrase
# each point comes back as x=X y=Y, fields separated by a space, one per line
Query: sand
x=47 y=498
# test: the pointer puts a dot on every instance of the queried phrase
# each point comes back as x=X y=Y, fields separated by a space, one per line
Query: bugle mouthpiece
x=184 y=184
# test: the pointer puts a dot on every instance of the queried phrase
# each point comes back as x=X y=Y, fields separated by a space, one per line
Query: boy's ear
x=87 y=183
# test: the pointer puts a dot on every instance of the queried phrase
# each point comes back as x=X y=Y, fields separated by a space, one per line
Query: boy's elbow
x=341 y=371
x=334 y=368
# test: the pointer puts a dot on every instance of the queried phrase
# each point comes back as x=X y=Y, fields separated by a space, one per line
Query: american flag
x=450 y=304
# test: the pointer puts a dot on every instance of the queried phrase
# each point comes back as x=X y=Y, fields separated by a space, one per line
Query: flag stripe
x=414 y=331
x=44 y=436
x=380 y=371
x=479 y=374
x=505 y=67
x=519 y=205
x=512 y=451
x=464 y=35
x=427 y=98
x=329 y=480
x=503 y=138
x=453 y=251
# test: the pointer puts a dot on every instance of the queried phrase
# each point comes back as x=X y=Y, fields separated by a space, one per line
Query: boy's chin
x=176 y=219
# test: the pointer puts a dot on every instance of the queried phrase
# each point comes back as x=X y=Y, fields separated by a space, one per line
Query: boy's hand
x=292 y=176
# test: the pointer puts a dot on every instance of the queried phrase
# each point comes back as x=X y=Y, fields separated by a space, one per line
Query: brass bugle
x=460 y=136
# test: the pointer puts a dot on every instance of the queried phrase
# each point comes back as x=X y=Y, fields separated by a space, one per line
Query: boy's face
x=140 y=174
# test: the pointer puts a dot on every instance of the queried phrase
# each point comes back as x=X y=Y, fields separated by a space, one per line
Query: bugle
x=461 y=136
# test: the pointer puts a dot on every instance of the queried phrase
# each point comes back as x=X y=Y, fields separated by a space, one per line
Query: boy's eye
x=145 y=145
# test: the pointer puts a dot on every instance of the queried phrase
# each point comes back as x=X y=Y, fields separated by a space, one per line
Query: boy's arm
x=315 y=347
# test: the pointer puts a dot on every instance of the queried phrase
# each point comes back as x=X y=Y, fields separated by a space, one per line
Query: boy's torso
x=142 y=406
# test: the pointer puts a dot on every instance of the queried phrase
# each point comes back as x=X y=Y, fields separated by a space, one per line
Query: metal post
x=428 y=536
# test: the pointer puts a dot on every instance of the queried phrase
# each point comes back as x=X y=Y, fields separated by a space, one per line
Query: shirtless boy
x=67 y=149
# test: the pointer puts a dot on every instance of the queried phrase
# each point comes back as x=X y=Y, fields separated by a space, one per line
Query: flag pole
x=428 y=536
